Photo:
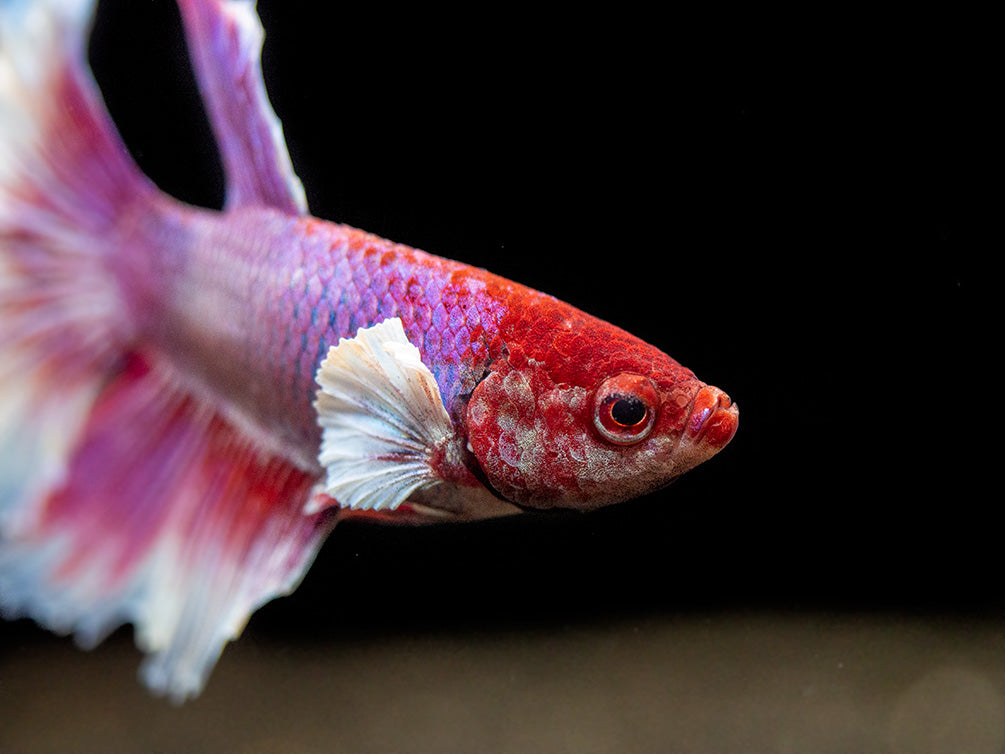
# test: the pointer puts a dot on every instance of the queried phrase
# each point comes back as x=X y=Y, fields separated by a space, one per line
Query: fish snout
x=713 y=419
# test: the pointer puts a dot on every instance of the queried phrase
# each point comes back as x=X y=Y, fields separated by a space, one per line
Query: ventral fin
x=382 y=418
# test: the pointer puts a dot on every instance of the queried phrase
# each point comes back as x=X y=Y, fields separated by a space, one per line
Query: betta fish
x=191 y=399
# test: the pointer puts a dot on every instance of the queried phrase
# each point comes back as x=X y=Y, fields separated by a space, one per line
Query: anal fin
x=166 y=517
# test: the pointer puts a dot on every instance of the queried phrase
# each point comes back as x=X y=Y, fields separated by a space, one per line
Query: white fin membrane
x=382 y=418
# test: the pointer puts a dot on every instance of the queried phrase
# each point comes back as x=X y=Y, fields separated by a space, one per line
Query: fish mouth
x=713 y=418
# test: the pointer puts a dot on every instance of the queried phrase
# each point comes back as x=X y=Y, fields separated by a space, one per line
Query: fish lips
x=713 y=418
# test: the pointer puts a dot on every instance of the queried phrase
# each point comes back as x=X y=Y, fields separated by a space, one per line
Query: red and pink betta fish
x=191 y=399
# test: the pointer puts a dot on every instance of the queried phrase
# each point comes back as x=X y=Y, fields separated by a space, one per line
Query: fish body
x=191 y=399
x=309 y=283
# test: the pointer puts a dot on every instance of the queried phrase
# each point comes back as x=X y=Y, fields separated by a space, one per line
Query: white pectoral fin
x=382 y=418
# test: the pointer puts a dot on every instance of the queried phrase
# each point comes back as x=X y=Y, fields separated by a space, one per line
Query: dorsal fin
x=225 y=42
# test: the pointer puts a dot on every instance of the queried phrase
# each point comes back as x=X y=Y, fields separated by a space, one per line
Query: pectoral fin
x=382 y=417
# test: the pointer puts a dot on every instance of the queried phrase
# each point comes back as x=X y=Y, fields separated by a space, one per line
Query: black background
x=798 y=220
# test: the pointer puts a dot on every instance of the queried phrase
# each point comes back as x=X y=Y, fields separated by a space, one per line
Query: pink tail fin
x=64 y=180
x=122 y=497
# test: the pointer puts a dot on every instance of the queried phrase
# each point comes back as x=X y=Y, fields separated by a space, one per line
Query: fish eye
x=625 y=408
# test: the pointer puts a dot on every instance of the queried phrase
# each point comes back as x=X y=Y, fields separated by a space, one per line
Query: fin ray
x=64 y=174
x=382 y=418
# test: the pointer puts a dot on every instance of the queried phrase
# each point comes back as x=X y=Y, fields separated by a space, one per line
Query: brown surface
x=717 y=683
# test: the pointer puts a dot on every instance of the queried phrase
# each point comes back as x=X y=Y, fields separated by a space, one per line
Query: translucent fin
x=225 y=42
x=166 y=518
x=382 y=418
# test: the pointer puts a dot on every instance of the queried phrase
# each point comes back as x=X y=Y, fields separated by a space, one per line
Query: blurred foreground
x=720 y=682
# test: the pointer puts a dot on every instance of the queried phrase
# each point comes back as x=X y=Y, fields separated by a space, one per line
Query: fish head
x=594 y=416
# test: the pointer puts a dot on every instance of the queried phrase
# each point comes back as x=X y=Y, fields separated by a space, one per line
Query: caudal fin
x=123 y=496
x=64 y=176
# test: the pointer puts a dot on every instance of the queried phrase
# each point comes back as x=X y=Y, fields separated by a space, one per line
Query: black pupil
x=628 y=411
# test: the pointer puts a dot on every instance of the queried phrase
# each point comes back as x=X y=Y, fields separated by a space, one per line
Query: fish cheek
x=529 y=438
x=495 y=426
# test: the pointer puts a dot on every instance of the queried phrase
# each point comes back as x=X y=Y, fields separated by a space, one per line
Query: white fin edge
x=382 y=418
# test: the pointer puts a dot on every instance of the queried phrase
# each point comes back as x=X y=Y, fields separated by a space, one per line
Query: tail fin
x=63 y=176
x=123 y=497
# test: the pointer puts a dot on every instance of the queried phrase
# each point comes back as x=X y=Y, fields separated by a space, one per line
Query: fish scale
x=353 y=280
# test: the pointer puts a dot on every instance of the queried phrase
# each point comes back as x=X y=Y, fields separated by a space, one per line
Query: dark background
x=798 y=219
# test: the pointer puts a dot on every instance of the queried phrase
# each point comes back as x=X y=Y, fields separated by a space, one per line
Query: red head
x=577 y=413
